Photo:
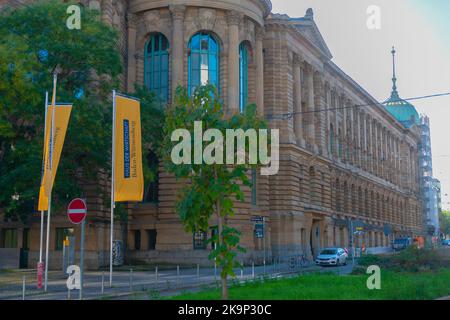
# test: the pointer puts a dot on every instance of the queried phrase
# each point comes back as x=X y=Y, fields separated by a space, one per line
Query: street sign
x=77 y=211
x=259 y=231
x=387 y=230
x=257 y=219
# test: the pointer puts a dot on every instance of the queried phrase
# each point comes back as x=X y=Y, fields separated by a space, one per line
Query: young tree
x=209 y=189
x=34 y=41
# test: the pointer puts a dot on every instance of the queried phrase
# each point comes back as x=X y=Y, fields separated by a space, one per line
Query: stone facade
x=343 y=157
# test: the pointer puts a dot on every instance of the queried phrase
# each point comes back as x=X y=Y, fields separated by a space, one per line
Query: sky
x=420 y=31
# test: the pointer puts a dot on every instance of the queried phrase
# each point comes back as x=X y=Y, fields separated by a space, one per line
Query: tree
x=35 y=40
x=209 y=189
x=444 y=218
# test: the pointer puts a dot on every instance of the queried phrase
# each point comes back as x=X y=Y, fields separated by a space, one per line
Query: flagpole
x=43 y=164
x=55 y=76
x=113 y=154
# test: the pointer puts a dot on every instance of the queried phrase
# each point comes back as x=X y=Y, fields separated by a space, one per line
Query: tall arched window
x=243 y=76
x=331 y=139
x=157 y=66
x=203 y=61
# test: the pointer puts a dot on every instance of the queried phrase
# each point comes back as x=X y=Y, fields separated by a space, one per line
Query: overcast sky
x=420 y=30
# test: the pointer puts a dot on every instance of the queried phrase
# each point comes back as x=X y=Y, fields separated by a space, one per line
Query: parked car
x=332 y=257
x=401 y=243
x=446 y=242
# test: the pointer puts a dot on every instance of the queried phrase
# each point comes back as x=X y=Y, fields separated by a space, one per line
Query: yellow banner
x=61 y=117
x=128 y=175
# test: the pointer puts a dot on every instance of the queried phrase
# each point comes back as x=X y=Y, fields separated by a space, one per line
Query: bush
x=411 y=259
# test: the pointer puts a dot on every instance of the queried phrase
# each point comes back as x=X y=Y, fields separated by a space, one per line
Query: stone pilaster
x=131 y=72
x=233 y=18
x=310 y=115
x=177 y=45
x=107 y=12
x=298 y=118
x=259 y=59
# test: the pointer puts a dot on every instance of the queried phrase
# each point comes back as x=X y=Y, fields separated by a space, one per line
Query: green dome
x=402 y=110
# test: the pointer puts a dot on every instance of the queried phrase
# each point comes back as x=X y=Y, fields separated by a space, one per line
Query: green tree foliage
x=35 y=41
x=444 y=220
x=209 y=190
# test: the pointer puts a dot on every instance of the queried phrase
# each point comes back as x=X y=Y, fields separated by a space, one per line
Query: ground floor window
x=214 y=232
x=60 y=236
x=9 y=238
x=151 y=236
x=137 y=239
x=200 y=238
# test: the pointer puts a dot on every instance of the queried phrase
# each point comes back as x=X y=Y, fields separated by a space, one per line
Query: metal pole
x=113 y=154
x=55 y=78
x=264 y=241
x=253 y=269
x=215 y=270
x=242 y=270
x=41 y=242
x=353 y=241
x=82 y=258
x=23 y=288
x=103 y=282
x=178 y=275
x=198 y=271
x=156 y=273
x=131 y=279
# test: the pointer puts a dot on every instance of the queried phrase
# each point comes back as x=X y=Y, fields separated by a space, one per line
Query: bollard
x=156 y=273
x=23 y=288
x=253 y=269
x=264 y=267
x=131 y=279
x=198 y=271
x=178 y=275
x=103 y=282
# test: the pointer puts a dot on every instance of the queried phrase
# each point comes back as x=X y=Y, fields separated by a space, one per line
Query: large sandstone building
x=344 y=159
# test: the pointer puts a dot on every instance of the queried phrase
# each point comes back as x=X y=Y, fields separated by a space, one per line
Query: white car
x=332 y=257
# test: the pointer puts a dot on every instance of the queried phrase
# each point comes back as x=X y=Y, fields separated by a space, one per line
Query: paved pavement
x=128 y=285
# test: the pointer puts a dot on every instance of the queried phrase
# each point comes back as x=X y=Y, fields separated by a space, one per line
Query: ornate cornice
x=132 y=20
x=259 y=33
x=177 y=11
x=233 y=17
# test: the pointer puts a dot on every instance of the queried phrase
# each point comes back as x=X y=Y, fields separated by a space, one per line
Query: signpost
x=260 y=232
x=77 y=212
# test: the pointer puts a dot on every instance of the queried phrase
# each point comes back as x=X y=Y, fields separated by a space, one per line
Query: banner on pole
x=52 y=155
x=128 y=175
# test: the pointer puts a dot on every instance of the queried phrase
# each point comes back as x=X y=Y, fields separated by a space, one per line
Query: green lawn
x=394 y=286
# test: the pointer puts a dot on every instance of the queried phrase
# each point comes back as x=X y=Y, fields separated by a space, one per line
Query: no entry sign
x=77 y=211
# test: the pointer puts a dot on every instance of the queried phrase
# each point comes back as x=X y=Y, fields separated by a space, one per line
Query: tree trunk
x=220 y=227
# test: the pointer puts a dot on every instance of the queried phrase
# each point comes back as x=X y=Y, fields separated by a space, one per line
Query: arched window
x=243 y=76
x=203 y=61
x=312 y=191
x=339 y=144
x=331 y=139
x=152 y=188
x=157 y=66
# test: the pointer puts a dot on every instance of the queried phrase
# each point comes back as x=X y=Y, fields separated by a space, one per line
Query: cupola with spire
x=401 y=109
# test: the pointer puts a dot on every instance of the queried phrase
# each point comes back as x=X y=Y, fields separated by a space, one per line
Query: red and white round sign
x=77 y=211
